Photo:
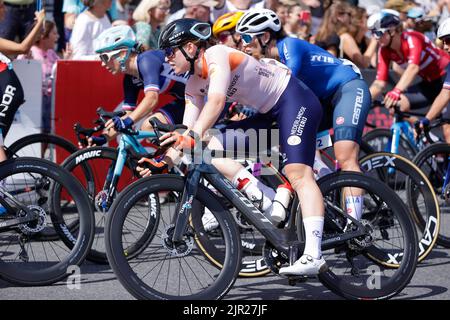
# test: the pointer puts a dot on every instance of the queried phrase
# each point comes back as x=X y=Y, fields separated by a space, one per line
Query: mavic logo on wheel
x=377 y=162
x=74 y=280
x=88 y=155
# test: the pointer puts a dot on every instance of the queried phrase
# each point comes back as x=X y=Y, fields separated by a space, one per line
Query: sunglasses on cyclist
x=107 y=56
x=446 y=41
x=246 y=38
x=378 y=33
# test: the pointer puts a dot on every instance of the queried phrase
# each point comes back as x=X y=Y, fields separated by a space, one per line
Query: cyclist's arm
x=219 y=75
x=146 y=107
x=377 y=88
x=408 y=77
x=416 y=47
x=439 y=104
x=11 y=47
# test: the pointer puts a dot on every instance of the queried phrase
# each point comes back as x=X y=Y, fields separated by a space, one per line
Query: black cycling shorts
x=12 y=97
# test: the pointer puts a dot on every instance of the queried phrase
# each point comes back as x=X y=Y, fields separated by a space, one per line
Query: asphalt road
x=430 y=282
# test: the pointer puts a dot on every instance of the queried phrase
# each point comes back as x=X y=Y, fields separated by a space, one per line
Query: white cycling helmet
x=255 y=22
x=444 y=29
x=383 y=20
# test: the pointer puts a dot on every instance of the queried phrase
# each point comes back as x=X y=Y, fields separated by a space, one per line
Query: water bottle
x=254 y=194
x=281 y=202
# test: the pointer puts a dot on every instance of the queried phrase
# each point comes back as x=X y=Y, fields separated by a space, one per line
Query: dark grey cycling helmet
x=181 y=31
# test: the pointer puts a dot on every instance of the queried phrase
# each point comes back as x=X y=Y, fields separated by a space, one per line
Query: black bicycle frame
x=282 y=239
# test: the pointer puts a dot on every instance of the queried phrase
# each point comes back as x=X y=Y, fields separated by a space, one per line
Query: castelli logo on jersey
x=340 y=120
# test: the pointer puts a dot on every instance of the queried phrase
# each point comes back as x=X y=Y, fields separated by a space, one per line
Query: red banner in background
x=80 y=88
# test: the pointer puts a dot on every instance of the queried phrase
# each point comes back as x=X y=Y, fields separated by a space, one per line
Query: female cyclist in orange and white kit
x=221 y=74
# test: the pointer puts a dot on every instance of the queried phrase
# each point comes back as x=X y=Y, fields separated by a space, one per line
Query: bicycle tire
x=80 y=159
x=51 y=139
x=438 y=152
x=380 y=141
x=427 y=217
x=121 y=264
x=22 y=273
x=333 y=183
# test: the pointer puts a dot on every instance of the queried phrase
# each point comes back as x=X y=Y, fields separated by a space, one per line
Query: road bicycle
x=173 y=265
x=38 y=194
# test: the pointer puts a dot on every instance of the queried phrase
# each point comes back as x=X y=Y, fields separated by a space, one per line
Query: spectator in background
x=197 y=9
x=338 y=21
x=88 y=26
x=8 y=77
x=44 y=50
x=401 y=6
x=282 y=12
x=58 y=17
x=366 y=44
x=298 y=22
x=123 y=10
x=18 y=20
x=150 y=16
x=72 y=8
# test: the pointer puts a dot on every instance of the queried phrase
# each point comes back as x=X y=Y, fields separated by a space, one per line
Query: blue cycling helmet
x=117 y=38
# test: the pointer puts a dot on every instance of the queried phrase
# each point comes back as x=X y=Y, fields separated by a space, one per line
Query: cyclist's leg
x=351 y=106
x=298 y=113
x=11 y=98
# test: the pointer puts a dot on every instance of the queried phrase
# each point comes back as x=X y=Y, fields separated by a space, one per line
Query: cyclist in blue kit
x=336 y=82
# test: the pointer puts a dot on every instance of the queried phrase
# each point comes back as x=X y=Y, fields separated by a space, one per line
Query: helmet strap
x=124 y=60
x=191 y=60
x=391 y=35
x=264 y=45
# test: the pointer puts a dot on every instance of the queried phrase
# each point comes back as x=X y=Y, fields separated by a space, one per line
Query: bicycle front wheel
x=164 y=269
x=24 y=258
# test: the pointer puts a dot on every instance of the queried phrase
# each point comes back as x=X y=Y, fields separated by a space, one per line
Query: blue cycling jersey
x=318 y=69
x=154 y=75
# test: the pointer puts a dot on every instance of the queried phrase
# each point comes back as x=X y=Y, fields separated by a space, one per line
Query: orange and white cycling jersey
x=239 y=77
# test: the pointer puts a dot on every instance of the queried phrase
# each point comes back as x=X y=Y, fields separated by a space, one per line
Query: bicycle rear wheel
x=42 y=145
x=381 y=139
x=24 y=258
x=163 y=269
x=361 y=268
x=413 y=187
x=434 y=162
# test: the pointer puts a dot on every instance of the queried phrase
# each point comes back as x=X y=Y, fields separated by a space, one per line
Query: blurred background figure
x=44 y=51
x=149 y=17
x=18 y=19
x=88 y=26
